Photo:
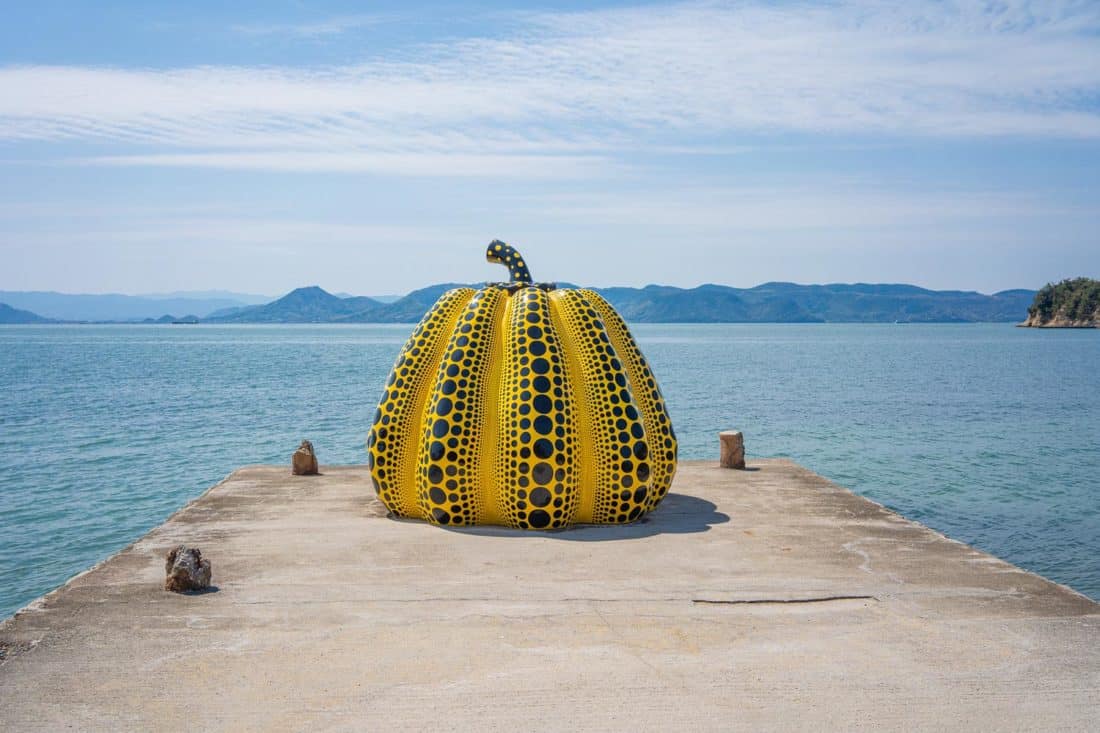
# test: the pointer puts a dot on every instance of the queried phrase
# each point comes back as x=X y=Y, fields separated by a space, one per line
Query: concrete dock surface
x=766 y=599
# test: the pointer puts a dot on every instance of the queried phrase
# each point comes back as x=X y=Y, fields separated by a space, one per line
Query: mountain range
x=774 y=302
x=116 y=307
x=768 y=303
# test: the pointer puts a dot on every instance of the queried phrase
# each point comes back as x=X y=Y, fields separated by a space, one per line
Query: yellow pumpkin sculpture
x=521 y=405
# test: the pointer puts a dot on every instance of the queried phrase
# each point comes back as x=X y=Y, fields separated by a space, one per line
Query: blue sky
x=377 y=147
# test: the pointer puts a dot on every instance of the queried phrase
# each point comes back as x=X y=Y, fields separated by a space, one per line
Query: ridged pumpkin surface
x=525 y=406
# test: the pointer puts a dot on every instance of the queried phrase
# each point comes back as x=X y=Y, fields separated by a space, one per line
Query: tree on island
x=1070 y=303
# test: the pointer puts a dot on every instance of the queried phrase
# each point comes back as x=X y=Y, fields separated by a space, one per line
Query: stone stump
x=186 y=570
x=304 y=460
x=733 y=449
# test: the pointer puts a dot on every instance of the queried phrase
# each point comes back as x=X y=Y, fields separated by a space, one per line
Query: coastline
x=1058 y=323
x=36 y=603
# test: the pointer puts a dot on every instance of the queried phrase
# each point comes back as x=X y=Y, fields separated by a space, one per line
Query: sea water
x=988 y=433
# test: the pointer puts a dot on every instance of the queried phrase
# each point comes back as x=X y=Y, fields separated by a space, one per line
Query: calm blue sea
x=988 y=433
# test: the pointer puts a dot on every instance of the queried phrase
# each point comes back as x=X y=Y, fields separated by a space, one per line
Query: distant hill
x=304 y=305
x=219 y=295
x=410 y=308
x=706 y=304
x=14 y=315
x=115 y=307
x=1069 y=304
x=768 y=303
x=779 y=302
x=315 y=305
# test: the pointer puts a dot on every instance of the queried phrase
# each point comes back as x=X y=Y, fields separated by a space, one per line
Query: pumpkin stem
x=502 y=254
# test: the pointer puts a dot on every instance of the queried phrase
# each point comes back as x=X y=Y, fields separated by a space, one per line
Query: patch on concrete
x=12 y=649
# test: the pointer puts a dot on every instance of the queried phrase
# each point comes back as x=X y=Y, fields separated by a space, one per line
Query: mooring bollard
x=733 y=449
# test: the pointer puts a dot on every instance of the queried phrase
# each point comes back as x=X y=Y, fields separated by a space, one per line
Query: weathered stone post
x=186 y=570
x=733 y=449
x=304 y=460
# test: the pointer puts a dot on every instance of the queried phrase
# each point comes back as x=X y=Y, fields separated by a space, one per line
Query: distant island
x=1069 y=304
x=775 y=302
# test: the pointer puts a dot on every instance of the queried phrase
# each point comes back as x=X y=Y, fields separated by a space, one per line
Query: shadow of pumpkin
x=677 y=514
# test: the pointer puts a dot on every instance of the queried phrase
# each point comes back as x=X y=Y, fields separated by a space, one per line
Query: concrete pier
x=760 y=599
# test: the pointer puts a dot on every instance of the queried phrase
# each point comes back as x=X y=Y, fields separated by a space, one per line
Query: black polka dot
x=543 y=473
x=539 y=519
x=540 y=497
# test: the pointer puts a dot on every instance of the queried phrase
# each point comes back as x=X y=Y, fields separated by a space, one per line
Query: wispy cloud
x=833 y=205
x=581 y=87
x=423 y=164
x=333 y=26
x=231 y=231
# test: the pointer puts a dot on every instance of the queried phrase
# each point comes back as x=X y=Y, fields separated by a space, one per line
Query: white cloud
x=583 y=85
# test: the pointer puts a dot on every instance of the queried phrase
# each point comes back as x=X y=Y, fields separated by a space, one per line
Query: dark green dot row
x=448 y=470
x=622 y=451
x=658 y=424
x=396 y=421
x=539 y=431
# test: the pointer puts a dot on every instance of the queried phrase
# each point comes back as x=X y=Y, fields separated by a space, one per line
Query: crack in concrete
x=766 y=601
